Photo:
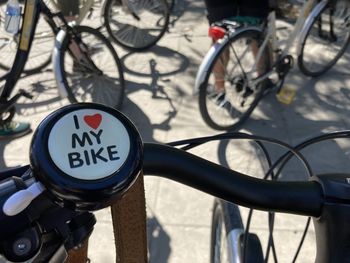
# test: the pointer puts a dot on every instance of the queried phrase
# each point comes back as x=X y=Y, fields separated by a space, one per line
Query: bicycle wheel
x=91 y=69
x=326 y=40
x=228 y=95
x=136 y=25
x=227 y=236
x=40 y=53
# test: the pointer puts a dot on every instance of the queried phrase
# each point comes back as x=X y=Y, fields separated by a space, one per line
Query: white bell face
x=89 y=144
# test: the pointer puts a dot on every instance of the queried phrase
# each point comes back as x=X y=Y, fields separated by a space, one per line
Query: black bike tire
x=129 y=45
x=230 y=216
x=203 y=88
x=38 y=68
x=225 y=214
x=98 y=34
x=303 y=68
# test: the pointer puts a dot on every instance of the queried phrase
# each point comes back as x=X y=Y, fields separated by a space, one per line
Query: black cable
x=191 y=143
x=288 y=155
x=323 y=137
x=281 y=162
x=302 y=238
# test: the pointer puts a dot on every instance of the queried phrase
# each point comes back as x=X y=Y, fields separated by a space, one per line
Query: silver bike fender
x=213 y=51
x=206 y=62
x=56 y=61
x=314 y=13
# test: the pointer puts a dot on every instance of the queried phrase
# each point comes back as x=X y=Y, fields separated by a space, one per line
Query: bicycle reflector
x=216 y=32
x=86 y=155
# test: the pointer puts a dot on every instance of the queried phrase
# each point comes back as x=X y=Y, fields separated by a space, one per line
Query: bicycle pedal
x=286 y=95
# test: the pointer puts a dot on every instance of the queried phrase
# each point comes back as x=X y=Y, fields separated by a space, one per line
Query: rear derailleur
x=283 y=66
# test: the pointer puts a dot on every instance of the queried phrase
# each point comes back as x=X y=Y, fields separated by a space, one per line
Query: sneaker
x=13 y=129
x=218 y=97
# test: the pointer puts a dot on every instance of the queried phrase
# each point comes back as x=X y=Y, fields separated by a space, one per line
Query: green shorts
x=69 y=7
x=222 y=9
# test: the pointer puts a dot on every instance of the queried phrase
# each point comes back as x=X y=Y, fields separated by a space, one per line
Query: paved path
x=161 y=104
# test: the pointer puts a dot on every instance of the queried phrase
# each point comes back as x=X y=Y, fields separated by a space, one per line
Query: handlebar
x=304 y=198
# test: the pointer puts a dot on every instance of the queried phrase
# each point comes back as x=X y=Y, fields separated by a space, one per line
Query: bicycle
x=249 y=59
x=133 y=25
x=86 y=66
x=50 y=200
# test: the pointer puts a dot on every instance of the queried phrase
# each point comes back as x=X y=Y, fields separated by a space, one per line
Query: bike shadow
x=158 y=241
x=321 y=105
x=45 y=95
x=159 y=60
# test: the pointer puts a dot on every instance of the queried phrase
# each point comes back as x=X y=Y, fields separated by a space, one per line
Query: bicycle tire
x=220 y=115
x=226 y=219
x=83 y=79
x=139 y=30
x=40 y=53
x=313 y=62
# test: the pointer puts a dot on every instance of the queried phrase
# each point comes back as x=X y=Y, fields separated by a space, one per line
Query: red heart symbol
x=93 y=120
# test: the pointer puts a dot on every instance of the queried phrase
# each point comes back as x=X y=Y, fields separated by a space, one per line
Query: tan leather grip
x=78 y=255
x=129 y=224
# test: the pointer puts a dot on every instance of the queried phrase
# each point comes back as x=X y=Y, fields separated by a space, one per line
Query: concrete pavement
x=160 y=102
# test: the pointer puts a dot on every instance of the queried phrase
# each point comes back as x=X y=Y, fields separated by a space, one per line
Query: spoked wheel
x=40 y=53
x=227 y=237
x=136 y=24
x=91 y=68
x=326 y=39
x=231 y=90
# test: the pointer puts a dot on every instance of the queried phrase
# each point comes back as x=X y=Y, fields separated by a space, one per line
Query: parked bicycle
x=135 y=25
x=45 y=206
x=86 y=66
x=253 y=62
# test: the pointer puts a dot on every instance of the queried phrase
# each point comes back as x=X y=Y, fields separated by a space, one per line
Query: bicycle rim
x=327 y=39
x=97 y=77
x=40 y=53
x=221 y=226
x=234 y=68
x=136 y=25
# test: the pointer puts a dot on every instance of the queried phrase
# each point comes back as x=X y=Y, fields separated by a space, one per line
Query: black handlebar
x=304 y=198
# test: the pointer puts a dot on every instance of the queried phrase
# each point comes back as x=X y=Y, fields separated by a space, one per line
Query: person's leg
x=219 y=71
x=219 y=10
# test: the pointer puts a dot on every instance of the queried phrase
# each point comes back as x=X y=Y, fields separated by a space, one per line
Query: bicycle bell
x=86 y=155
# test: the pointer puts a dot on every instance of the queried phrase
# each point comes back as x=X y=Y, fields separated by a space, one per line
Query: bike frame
x=32 y=11
x=27 y=31
x=307 y=14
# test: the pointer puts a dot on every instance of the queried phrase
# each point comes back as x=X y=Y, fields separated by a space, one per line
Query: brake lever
x=20 y=200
